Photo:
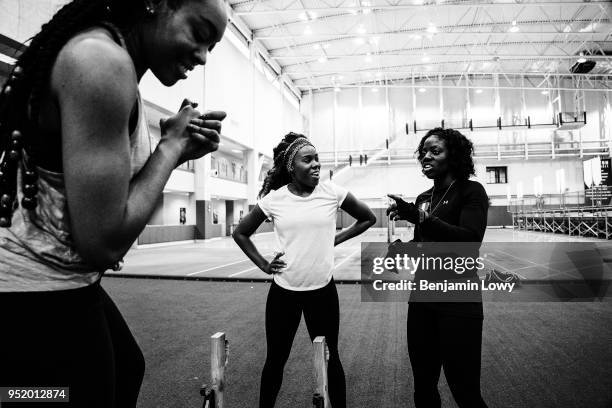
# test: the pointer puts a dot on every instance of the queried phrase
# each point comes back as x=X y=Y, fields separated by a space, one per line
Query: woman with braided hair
x=303 y=212
x=79 y=178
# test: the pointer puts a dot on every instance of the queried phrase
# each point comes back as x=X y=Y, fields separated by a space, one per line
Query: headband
x=292 y=150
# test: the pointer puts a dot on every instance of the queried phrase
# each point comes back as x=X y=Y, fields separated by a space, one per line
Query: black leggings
x=283 y=314
x=70 y=338
x=437 y=339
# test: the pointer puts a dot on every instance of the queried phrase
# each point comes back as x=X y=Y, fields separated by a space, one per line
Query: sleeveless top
x=37 y=253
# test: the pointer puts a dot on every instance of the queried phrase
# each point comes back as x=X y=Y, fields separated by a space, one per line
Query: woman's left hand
x=401 y=210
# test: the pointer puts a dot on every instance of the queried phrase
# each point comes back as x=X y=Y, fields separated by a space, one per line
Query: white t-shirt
x=305 y=228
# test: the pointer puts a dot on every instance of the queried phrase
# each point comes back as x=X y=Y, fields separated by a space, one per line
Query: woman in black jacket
x=446 y=334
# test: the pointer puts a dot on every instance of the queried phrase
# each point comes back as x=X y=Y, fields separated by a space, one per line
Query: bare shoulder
x=93 y=65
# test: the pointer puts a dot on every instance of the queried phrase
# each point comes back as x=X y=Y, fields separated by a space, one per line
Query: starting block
x=219 y=352
x=321 y=356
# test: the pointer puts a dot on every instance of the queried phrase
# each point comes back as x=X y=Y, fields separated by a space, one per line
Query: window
x=497 y=175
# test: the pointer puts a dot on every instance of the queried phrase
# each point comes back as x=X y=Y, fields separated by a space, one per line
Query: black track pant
x=71 y=338
x=283 y=314
x=437 y=339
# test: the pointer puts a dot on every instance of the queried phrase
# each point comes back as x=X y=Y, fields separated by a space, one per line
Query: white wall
x=22 y=19
x=375 y=182
x=357 y=128
x=181 y=181
x=259 y=113
x=240 y=205
x=228 y=189
x=172 y=205
x=218 y=207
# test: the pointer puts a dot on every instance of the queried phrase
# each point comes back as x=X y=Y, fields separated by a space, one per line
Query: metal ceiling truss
x=511 y=81
x=267 y=7
x=475 y=34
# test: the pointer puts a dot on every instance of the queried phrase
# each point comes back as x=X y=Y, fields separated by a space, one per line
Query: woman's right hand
x=194 y=133
x=276 y=265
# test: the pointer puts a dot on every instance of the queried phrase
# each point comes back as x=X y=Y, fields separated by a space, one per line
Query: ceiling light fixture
x=582 y=59
x=307 y=30
x=322 y=59
x=514 y=28
x=366 y=10
x=421 y=90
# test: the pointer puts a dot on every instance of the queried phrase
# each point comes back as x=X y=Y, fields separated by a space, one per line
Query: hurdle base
x=209 y=396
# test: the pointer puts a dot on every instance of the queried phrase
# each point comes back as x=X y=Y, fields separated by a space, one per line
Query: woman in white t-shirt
x=304 y=215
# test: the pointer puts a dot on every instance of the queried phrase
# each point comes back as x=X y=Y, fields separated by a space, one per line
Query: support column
x=334 y=113
x=468 y=102
x=310 y=113
x=524 y=116
x=608 y=120
x=360 y=133
x=497 y=109
x=441 y=96
x=413 y=89
x=254 y=164
x=389 y=123
x=202 y=172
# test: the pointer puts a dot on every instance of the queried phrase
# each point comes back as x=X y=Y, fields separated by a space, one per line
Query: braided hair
x=460 y=151
x=21 y=94
x=279 y=175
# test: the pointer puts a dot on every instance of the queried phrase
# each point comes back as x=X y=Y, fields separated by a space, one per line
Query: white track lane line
x=229 y=264
x=343 y=261
x=347 y=258
x=220 y=266
x=246 y=270
x=217 y=267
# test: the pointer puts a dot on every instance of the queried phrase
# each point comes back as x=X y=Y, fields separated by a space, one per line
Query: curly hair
x=460 y=151
x=278 y=175
x=21 y=94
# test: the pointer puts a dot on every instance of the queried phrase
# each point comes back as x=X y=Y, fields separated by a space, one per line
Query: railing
x=561 y=119
x=241 y=178
x=187 y=166
x=228 y=170
x=483 y=151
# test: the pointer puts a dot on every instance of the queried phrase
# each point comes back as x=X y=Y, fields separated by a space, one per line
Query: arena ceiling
x=322 y=44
